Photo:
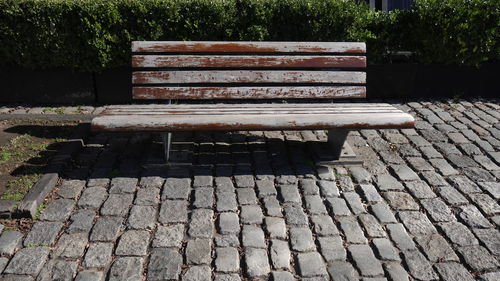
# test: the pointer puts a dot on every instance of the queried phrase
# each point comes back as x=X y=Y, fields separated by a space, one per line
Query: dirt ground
x=26 y=147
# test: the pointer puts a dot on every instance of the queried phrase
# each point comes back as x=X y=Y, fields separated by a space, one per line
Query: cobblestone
x=71 y=246
x=227 y=260
x=257 y=262
x=229 y=223
x=458 y=233
x=197 y=273
x=173 y=211
x=352 y=230
x=89 y=275
x=251 y=214
x=203 y=197
x=311 y=264
x=324 y=225
x=301 y=239
x=418 y=265
x=81 y=221
x=385 y=249
x=126 y=268
x=339 y=207
x=478 y=258
x=92 y=197
x=198 y=251
x=117 y=205
x=436 y=248
x=176 y=188
x=280 y=254
x=417 y=223
x=332 y=249
x=396 y=272
x=169 y=236
x=473 y=217
x=133 y=243
x=43 y=233
x=276 y=227
x=340 y=271
x=123 y=185
x=365 y=260
x=439 y=181
x=10 y=241
x=438 y=210
x=294 y=215
x=71 y=189
x=142 y=217
x=253 y=236
x=98 y=255
x=58 y=210
x=387 y=182
x=106 y=229
x=28 y=261
x=201 y=225
x=453 y=272
x=401 y=238
x=164 y=264
x=383 y=213
x=400 y=201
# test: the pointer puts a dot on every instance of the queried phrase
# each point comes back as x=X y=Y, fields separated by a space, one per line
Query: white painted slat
x=256 y=61
x=161 y=123
x=251 y=106
x=247 y=47
x=206 y=93
x=248 y=76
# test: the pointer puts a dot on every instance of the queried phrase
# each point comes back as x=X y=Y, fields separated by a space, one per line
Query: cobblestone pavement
x=423 y=207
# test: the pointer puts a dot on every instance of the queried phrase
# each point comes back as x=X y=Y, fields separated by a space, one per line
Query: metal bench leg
x=336 y=140
x=336 y=151
x=167 y=141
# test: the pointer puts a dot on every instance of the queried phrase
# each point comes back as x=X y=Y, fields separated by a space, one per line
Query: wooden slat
x=247 y=47
x=227 y=112
x=318 y=92
x=162 y=123
x=248 y=76
x=251 y=106
x=248 y=61
x=238 y=109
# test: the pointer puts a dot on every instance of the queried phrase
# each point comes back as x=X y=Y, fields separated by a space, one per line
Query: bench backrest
x=248 y=70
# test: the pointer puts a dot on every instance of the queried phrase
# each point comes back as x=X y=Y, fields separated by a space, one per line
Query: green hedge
x=92 y=35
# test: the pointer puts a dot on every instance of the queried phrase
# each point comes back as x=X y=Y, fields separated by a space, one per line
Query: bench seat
x=227 y=117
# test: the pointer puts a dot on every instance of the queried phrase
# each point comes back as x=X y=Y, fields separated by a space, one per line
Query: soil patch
x=26 y=147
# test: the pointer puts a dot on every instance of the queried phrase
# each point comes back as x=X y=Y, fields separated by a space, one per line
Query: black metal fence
x=389 y=5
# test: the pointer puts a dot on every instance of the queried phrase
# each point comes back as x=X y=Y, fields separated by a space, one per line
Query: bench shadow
x=222 y=154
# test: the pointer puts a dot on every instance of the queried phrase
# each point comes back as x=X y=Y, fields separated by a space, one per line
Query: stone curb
x=28 y=206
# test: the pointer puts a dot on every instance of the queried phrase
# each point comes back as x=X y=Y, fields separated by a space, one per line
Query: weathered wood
x=162 y=122
x=248 y=76
x=220 y=109
x=317 y=92
x=253 y=105
x=248 y=61
x=247 y=47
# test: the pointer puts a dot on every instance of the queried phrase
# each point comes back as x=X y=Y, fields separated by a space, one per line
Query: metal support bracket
x=336 y=151
x=167 y=142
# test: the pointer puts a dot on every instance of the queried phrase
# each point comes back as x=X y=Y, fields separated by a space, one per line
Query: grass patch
x=57 y=110
x=39 y=211
x=24 y=158
x=4 y=157
x=17 y=188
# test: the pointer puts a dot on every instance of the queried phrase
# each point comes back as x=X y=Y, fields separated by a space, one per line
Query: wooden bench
x=249 y=71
